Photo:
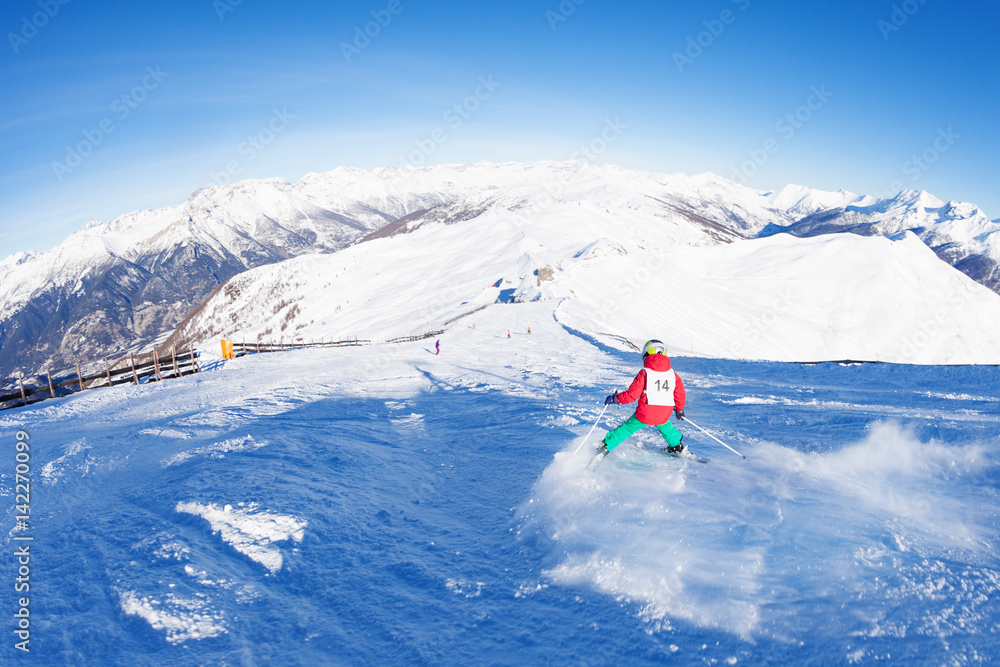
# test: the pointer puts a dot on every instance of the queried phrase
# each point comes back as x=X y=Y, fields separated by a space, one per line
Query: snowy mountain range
x=960 y=233
x=125 y=284
x=121 y=285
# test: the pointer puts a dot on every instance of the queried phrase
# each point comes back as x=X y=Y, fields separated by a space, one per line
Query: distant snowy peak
x=900 y=212
x=17 y=259
x=800 y=201
x=959 y=232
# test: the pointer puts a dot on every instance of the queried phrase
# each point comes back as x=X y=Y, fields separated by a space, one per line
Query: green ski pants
x=632 y=424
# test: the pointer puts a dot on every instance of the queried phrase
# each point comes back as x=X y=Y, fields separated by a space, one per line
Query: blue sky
x=113 y=106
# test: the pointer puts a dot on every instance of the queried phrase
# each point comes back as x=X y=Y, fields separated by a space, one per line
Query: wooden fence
x=152 y=367
x=241 y=348
x=622 y=339
x=458 y=317
x=124 y=371
x=410 y=339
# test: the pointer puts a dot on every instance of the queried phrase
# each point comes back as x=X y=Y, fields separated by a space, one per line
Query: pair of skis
x=684 y=455
x=663 y=450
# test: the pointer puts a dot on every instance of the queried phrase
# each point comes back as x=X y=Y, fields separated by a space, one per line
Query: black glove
x=678 y=413
x=612 y=398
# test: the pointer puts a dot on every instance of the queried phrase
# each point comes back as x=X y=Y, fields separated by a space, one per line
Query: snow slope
x=959 y=232
x=124 y=284
x=788 y=299
x=376 y=505
x=121 y=285
x=779 y=298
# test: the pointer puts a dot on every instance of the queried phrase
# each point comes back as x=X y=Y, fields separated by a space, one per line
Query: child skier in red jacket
x=659 y=391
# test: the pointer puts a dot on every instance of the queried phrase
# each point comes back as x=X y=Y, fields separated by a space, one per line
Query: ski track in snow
x=219 y=449
x=335 y=505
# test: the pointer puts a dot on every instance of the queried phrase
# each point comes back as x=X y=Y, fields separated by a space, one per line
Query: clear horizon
x=115 y=108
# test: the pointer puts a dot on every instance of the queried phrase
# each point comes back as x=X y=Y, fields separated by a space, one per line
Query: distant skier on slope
x=659 y=391
x=437 y=346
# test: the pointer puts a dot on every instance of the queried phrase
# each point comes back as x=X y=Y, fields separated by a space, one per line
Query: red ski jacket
x=658 y=389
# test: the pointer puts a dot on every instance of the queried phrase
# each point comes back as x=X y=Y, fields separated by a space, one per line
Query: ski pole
x=712 y=436
x=592 y=429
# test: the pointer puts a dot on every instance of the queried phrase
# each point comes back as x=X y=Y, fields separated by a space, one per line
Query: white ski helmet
x=654 y=347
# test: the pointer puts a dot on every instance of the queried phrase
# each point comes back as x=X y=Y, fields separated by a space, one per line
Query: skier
x=437 y=346
x=659 y=391
x=529 y=331
x=508 y=333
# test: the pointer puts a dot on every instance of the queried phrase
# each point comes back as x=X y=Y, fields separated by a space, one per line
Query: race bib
x=660 y=387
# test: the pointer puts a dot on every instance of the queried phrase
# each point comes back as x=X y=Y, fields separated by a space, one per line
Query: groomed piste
x=376 y=505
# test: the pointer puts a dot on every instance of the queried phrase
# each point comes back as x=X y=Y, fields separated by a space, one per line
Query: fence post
x=173 y=359
x=79 y=376
x=107 y=368
x=49 y=376
x=135 y=376
x=20 y=383
x=156 y=364
x=194 y=359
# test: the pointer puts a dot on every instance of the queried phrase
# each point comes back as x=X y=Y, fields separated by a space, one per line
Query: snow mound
x=784 y=298
x=251 y=532
x=180 y=618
